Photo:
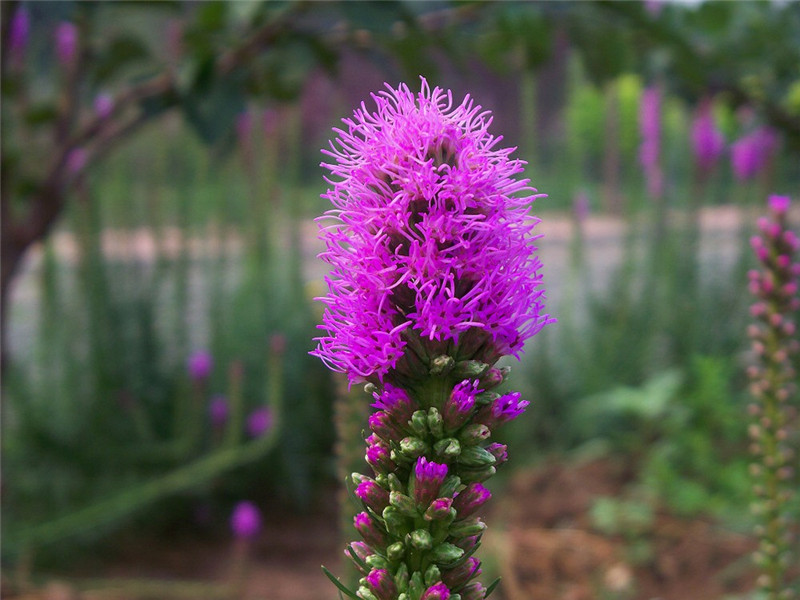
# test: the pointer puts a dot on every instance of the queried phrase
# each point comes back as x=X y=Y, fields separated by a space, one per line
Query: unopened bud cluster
x=773 y=385
x=430 y=454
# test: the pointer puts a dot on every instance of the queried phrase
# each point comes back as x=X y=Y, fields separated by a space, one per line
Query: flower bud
x=473 y=434
x=396 y=523
x=435 y=423
x=471 y=499
x=382 y=584
x=379 y=459
x=448 y=448
x=467 y=528
x=502 y=410
x=401 y=577
x=471 y=475
x=360 y=550
x=458 y=576
x=441 y=365
x=376 y=561
x=446 y=554
x=473 y=591
x=373 y=495
x=403 y=504
x=437 y=591
x=432 y=575
x=384 y=426
x=396 y=552
x=369 y=530
x=413 y=447
x=499 y=451
x=421 y=539
x=439 y=509
x=476 y=457
x=470 y=369
x=419 y=423
x=397 y=403
x=449 y=487
x=365 y=593
x=429 y=477
x=459 y=406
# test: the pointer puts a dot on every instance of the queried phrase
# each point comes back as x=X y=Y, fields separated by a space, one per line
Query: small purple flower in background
x=103 y=105
x=650 y=128
x=76 y=160
x=259 y=422
x=246 y=520
x=218 y=411
x=66 y=42
x=707 y=140
x=18 y=35
x=751 y=153
x=199 y=365
x=581 y=207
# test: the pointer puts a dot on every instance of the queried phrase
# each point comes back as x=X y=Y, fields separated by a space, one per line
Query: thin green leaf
x=339 y=584
x=358 y=560
x=492 y=587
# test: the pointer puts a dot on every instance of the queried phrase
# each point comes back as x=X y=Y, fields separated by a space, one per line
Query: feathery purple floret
x=430 y=235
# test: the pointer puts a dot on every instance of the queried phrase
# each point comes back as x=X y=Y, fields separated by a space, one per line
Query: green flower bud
x=467 y=528
x=486 y=398
x=449 y=486
x=415 y=585
x=395 y=485
x=441 y=365
x=446 y=554
x=448 y=448
x=404 y=596
x=405 y=505
x=439 y=509
x=396 y=523
x=413 y=447
x=365 y=593
x=472 y=475
x=395 y=552
x=474 y=434
x=421 y=539
x=376 y=561
x=357 y=478
x=435 y=422
x=401 y=577
x=476 y=457
x=470 y=369
x=419 y=423
x=370 y=388
x=382 y=480
x=432 y=575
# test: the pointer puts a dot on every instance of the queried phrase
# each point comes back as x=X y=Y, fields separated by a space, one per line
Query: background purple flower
x=246 y=520
x=259 y=422
x=751 y=153
x=18 y=35
x=707 y=140
x=430 y=234
x=103 y=105
x=66 y=41
x=218 y=411
x=199 y=365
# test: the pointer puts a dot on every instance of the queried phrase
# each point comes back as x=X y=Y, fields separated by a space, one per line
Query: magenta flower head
x=373 y=495
x=379 y=458
x=246 y=520
x=369 y=531
x=259 y=422
x=218 y=411
x=650 y=125
x=18 y=34
x=66 y=35
x=429 y=478
x=707 y=140
x=199 y=365
x=751 y=153
x=471 y=499
x=458 y=407
x=438 y=591
x=103 y=105
x=504 y=409
x=396 y=402
x=382 y=584
x=460 y=575
x=430 y=240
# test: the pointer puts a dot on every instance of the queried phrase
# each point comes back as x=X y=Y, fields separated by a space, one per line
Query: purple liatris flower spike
x=218 y=411
x=66 y=35
x=18 y=34
x=438 y=591
x=381 y=584
x=246 y=520
x=373 y=495
x=430 y=238
x=751 y=153
x=199 y=365
x=707 y=140
x=429 y=478
x=471 y=499
x=259 y=422
x=458 y=407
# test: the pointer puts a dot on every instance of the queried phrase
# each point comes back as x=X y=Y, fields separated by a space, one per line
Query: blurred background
x=165 y=433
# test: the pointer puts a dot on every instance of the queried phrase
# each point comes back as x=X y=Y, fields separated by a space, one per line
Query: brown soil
x=542 y=541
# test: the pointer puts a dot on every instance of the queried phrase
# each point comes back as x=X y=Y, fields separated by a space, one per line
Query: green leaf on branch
x=492 y=587
x=339 y=584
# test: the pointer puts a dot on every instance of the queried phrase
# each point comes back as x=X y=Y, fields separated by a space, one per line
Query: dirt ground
x=541 y=540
